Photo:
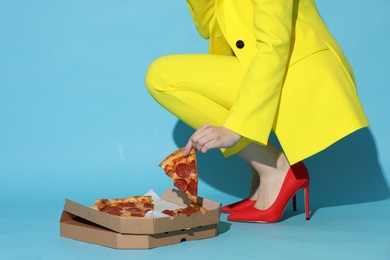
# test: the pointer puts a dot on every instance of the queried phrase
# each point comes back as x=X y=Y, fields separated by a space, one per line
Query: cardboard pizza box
x=87 y=224
x=80 y=229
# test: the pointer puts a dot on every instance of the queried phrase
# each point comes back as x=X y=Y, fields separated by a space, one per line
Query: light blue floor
x=344 y=232
x=76 y=122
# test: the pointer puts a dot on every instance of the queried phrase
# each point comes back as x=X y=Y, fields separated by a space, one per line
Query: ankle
x=253 y=196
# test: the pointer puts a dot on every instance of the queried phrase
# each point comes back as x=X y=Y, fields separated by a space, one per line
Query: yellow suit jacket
x=269 y=37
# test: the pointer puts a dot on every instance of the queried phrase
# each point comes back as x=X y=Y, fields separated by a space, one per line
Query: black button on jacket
x=240 y=44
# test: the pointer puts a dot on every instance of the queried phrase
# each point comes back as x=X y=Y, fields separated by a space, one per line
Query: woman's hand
x=208 y=137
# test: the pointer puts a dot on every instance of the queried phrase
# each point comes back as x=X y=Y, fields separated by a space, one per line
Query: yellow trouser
x=197 y=88
x=201 y=88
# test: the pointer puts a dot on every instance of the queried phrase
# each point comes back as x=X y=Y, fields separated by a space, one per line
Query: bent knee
x=156 y=75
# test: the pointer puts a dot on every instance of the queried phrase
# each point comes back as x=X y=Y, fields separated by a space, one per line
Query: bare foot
x=255 y=185
x=270 y=185
x=271 y=165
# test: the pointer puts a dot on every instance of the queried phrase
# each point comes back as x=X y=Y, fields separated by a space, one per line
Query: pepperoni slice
x=168 y=212
x=117 y=208
x=181 y=184
x=138 y=214
x=114 y=210
x=133 y=210
x=148 y=205
x=193 y=188
x=183 y=170
x=128 y=204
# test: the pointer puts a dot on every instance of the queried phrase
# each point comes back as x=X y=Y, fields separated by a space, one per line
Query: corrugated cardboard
x=77 y=228
x=90 y=225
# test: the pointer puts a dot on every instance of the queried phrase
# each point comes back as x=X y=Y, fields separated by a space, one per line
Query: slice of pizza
x=183 y=171
x=192 y=208
x=135 y=206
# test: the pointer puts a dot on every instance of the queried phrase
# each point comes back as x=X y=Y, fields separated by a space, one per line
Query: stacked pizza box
x=86 y=223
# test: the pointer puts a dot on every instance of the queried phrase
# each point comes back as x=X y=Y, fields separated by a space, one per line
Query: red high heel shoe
x=297 y=178
x=238 y=206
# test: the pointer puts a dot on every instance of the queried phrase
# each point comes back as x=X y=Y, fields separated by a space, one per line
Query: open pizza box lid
x=149 y=225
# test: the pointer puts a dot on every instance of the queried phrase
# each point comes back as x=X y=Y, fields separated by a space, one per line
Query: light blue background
x=77 y=122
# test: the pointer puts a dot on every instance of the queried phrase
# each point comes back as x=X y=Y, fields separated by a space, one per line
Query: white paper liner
x=160 y=205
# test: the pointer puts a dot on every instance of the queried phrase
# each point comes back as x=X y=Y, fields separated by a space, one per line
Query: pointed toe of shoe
x=238 y=206
x=255 y=215
x=249 y=215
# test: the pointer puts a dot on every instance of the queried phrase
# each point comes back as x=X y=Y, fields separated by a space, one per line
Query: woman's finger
x=188 y=147
x=194 y=139
x=203 y=144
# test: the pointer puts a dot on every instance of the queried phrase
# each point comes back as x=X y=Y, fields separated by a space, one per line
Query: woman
x=272 y=66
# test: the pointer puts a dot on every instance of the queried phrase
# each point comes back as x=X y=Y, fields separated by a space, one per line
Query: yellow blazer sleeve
x=253 y=113
x=202 y=12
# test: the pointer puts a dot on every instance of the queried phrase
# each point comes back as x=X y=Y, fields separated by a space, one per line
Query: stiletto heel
x=238 y=206
x=295 y=202
x=307 y=206
x=296 y=178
